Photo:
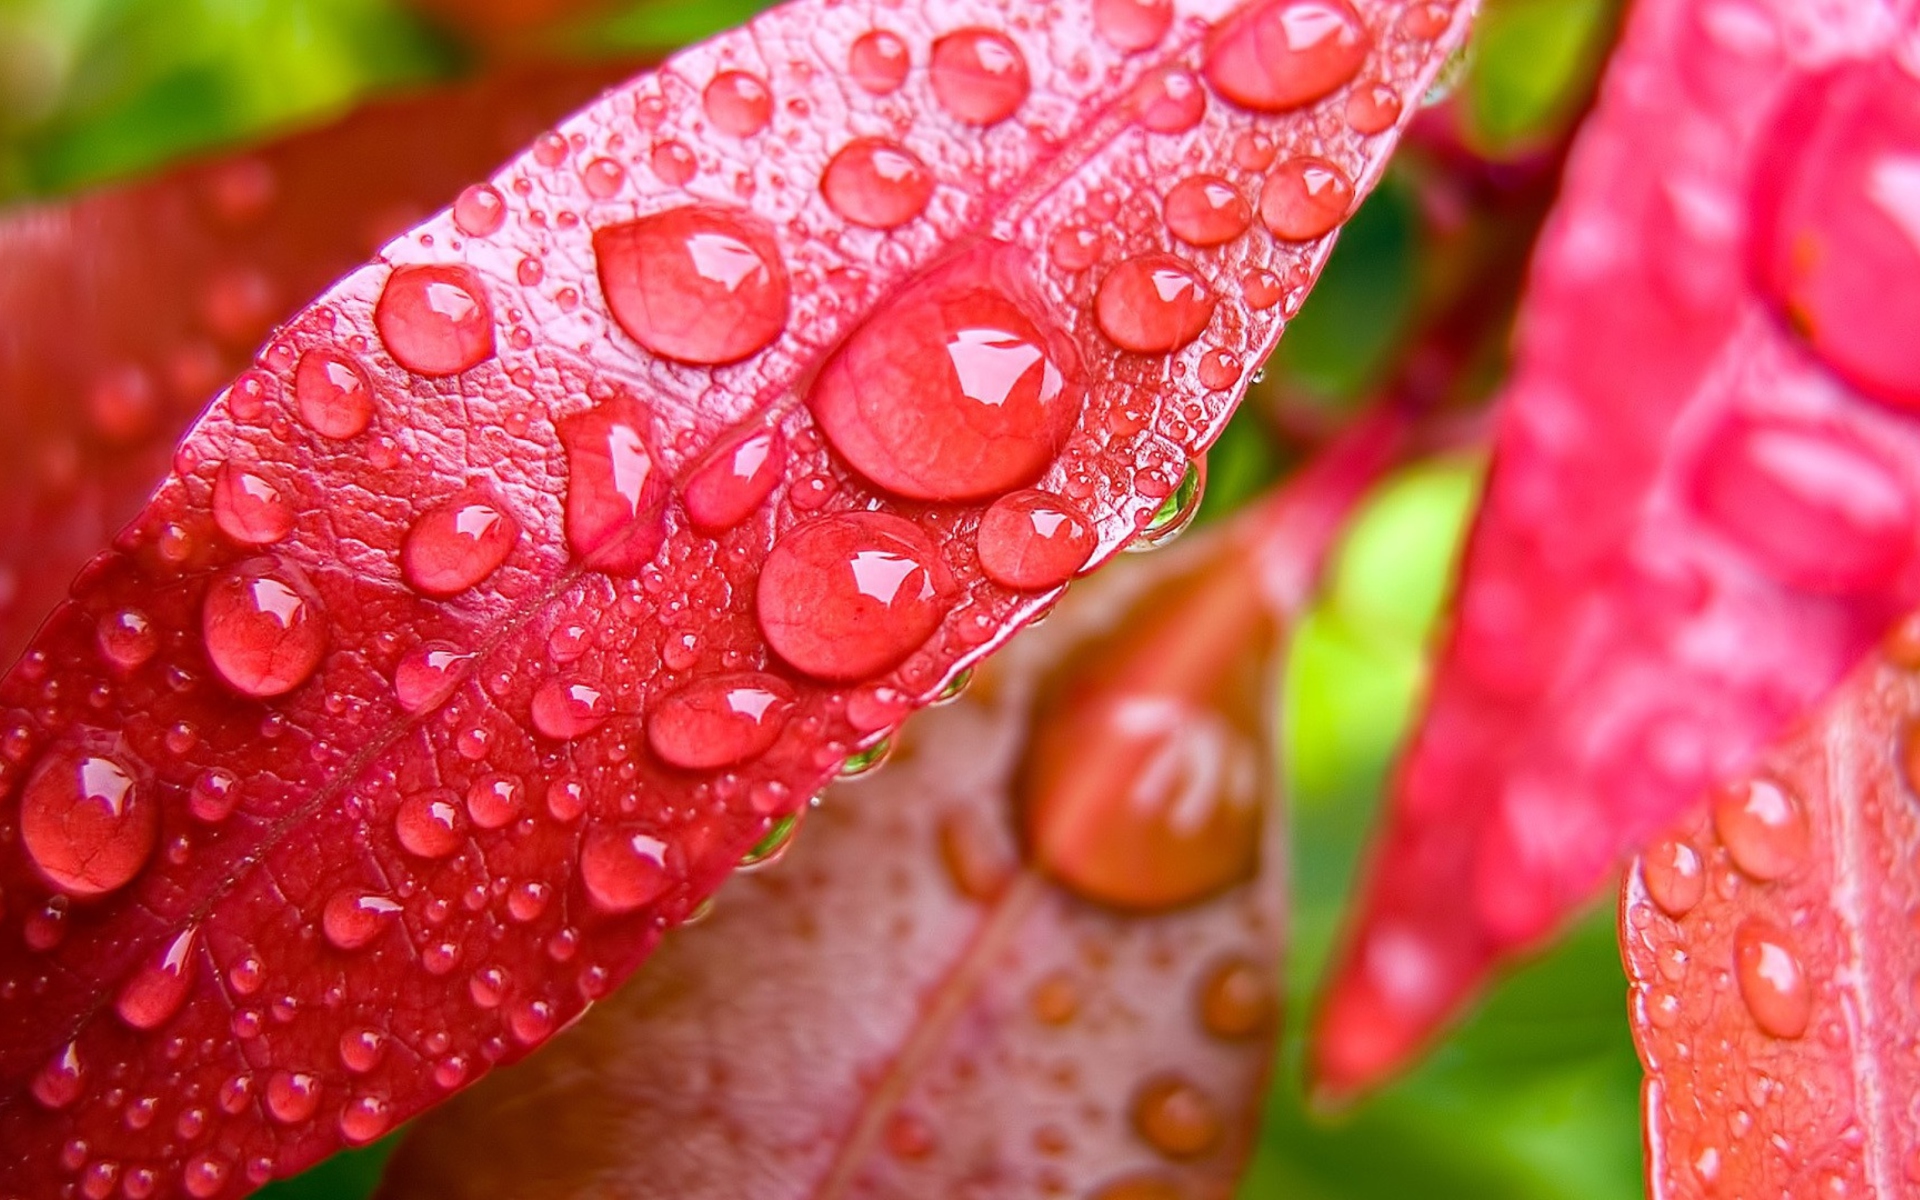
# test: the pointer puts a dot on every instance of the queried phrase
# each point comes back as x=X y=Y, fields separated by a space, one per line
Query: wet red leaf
x=230 y=738
x=123 y=311
x=929 y=1010
x=1772 y=952
x=1701 y=510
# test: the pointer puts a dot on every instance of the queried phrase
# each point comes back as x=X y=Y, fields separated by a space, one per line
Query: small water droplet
x=479 y=210
x=773 y=844
x=1772 y=980
x=1238 y=1000
x=603 y=178
x=435 y=320
x=292 y=1096
x=87 y=820
x=1275 y=55
x=735 y=480
x=352 y=919
x=700 y=284
x=457 y=544
x=1153 y=304
x=719 y=720
x=1675 y=875
x=979 y=76
x=430 y=824
x=1175 y=1117
x=877 y=183
x=1206 y=210
x=1169 y=100
x=1763 y=827
x=155 y=992
x=550 y=149
x=248 y=508
x=364 y=1118
x=60 y=1081
x=866 y=761
x=1132 y=25
x=1074 y=247
x=126 y=639
x=531 y=1021
x=1304 y=199
x=674 y=163
x=333 y=395
x=1032 y=541
x=429 y=674
x=564 y=709
x=205 y=1176
x=738 y=103
x=848 y=596
x=615 y=516
x=494 y=801
x=361 y=1050
x=623 y=871
x=878 y=62
x=1372 y=108
x=263 y=628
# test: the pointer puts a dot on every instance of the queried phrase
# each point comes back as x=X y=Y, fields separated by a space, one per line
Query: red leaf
x=904 y=1007
x=1695 y=522
x=410 y=760
x=125 y=309
x=1773 y=962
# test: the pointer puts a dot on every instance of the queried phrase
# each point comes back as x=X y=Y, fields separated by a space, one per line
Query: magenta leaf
x=468 y=783
x=1701 y=511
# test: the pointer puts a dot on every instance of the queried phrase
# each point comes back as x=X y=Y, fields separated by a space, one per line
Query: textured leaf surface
x=927 y=1013
x=542 y=566
x=121 y=313
x=1701 y=509
x=1773 y=961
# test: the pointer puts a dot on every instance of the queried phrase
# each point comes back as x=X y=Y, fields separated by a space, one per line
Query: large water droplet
x=719 y=721
x=155 y=992
x=877 y=183
x=735 y=480
x=738 y=103
x=430 y=824
x=249 y=509
x=1675 y=875
x=1175 y=1117
x=292 y=1096
x=263 y=627
x=700 y=284
x=957 y=390
x=456 y=544
x=1275 y=55
x=878 y=62
x=60 y=1081
x=564 y=709
x=126 y=639
x=623 y=870
x=1238 y=1000
x=979 y=76
x=1206 y=210
x=494 y=801
x=428 y=675
x=848 y=596
x=1305 y=198
x=1772 y=980
x=1132 y=24
x=615 y=496
x=1818 y=508
x=435 y=320
x=1153 y=304
x=1762 y=826
x=352 y=919
x=1031 y=541
x=1170 y=100
x=333 y=394
x=87 y=821
x=1837 y=218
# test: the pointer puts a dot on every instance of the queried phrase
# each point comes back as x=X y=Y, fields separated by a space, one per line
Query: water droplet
x=699 y=284
x=479 y=210
x=495 y=801
x=564 y=709
x=1372 y=108
x=1074 y=247
x=155 y=992
x=352 y=919
x=1031 y=541
x=738 y=103
x=1206 y=210
x=865 y=761
x=848 y=596
x=249 y=509
x=531 y=1022
x=205 y=1176
x=616 y=498
x=1153 y=304
x=719 y=720
x=1305 y=198
x=1176 y=512
x=456 y=544
x=1175 y=1117
x=435 y=320
x=566 y=799
x=87 y=821
x=674 y=163
x=1169 y=100
x=1772 y=980
x=1819 y=508
x=878 y=62
x=1132 y=25
x=1238 y=1000
x=430 y=824
x=955 y=391
x=877 y=183
x=1219 y=369
x=264 y=629
x=773 y=844
x=126 y=638
x=361 y=1050
x=735 y=480
x=428 y=675
x=59 y=1083
x=1676 y=877
x=1274 y=55
x=292 y=1096
x=1763 y=827
x=550 y=149
x=979 y=76
x=623 y=870
x=333 y=394
x=1837 y=219
x=364 y=1118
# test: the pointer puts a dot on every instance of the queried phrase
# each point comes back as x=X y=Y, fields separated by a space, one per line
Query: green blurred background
x=1534 y=1097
